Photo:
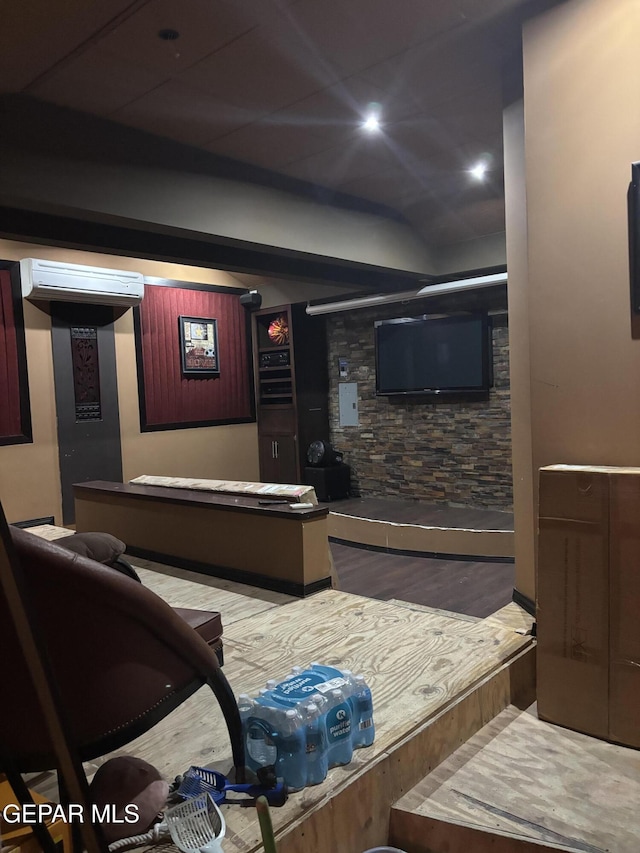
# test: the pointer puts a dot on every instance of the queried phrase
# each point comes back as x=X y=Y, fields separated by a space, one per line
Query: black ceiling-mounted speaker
x=321 y=455
x=251 y=300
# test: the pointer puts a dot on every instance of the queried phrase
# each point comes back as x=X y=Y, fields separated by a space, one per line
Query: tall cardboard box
x=588 y=600
x=572 y=609
x=624 y=609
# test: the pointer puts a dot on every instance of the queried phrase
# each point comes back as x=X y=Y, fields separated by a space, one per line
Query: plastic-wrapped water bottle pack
x=307 y=723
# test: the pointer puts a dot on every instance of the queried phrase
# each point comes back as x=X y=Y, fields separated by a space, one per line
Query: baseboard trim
x=525 y=602
x=250 y=578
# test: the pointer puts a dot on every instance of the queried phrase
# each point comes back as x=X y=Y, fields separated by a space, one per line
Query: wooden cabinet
x=277 y=458
x=292 y=388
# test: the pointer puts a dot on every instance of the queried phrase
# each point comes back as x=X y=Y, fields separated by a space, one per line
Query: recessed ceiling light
x=371 y=118
x=479 y=171
x=371 y=124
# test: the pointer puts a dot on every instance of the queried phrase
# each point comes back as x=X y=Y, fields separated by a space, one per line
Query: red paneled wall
x=168 y=398
x=10 y=419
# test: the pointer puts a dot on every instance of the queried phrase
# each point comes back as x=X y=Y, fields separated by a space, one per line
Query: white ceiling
x=284 y=84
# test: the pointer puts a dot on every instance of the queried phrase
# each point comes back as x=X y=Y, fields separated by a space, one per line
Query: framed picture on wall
x=199 y=346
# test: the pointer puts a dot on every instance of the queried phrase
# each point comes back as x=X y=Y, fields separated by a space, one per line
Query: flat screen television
x=433 y=355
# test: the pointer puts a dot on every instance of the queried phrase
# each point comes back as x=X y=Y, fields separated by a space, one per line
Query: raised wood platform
x=429 y=529
x=521 y=784
x=435 y=680
x=458 y=764
x=236 y=537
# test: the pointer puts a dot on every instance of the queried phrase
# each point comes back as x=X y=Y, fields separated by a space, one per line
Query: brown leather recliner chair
x=109 y=550
x=121 y=659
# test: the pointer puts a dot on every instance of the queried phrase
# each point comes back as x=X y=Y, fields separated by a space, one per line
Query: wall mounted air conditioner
x=52 y=280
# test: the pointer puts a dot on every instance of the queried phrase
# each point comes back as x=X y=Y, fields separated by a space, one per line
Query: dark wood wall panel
x=171 y=400
x=11 y=422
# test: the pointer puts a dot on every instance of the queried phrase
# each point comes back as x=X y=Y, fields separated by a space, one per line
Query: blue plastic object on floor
x=199 y=780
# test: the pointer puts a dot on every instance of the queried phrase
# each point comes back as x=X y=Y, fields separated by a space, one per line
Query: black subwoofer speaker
x=330 y=484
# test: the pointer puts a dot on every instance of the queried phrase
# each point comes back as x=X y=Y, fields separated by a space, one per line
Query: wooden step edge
x=421 y=538
x=358 y=811
x=425 y=834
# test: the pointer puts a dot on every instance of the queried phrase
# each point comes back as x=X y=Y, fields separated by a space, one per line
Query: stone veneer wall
x=454 y=452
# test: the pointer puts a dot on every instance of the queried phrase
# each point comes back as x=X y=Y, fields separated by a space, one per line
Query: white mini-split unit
x=52 y=280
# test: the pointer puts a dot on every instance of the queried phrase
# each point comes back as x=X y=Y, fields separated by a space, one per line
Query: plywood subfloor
x=424 y=608
x=511 y=617
x=182 y=588
x=417 y=663
x=523 y=784
x=435 y=679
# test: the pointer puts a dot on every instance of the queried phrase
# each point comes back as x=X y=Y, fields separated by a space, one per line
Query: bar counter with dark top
x=270 y=545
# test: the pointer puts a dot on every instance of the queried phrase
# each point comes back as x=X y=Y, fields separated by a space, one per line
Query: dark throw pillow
x=101 y=547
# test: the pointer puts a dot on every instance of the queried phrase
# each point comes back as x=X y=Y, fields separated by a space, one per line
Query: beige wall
x=29 y=473
x=582 y=131
x=519 y=355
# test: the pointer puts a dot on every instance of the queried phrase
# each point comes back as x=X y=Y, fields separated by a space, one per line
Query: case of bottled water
x=307 y=723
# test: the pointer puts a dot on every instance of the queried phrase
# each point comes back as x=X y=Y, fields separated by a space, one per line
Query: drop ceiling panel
x=325 y=120
x=37 y=34
x=428 y=76
x=466 y=222
x=479 y=110
x=261 y=73
x=455 y=135
x=97 y=82
x=420 y=145
x=338 y=111
x=204 y=26
x=353 y=35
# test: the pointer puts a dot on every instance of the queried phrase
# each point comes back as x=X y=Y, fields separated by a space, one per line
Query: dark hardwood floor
x=472 y=588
